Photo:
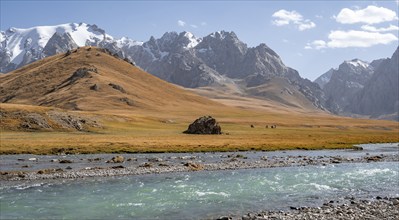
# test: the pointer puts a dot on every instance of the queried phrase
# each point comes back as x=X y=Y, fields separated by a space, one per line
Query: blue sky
x=310 y=36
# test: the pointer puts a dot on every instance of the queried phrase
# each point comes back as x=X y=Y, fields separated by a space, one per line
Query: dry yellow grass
x=159 y=132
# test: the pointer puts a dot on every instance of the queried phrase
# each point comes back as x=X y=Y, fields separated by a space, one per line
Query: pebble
x=377 y=209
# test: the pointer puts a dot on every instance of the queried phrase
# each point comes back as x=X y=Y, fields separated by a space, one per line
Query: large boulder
x=204 y=125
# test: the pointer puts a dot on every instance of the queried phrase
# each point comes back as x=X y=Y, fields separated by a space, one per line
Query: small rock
x=118 y=167
x=117 y=159
x=94 y=159
x=146 y=165
x=154 y=160
x=194 y=166
x=163 y=165
x=32 y=159
x=68 y=168
x=66 y=161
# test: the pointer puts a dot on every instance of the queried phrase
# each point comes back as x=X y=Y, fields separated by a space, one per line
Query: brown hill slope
x=90 y=79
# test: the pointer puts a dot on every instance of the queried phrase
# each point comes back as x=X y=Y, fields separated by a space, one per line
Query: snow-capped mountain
x=217 y=59
x=349 y=78
x=22 y=46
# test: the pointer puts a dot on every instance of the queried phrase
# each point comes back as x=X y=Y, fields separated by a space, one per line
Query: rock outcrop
x=204 y=125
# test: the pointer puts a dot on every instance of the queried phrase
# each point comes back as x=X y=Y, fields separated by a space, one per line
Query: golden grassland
x=146 y=132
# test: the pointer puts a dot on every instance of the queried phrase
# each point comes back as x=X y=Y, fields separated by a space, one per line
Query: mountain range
x=219 y=62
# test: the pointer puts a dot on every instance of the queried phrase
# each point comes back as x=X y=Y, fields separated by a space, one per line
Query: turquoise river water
x=196 y=195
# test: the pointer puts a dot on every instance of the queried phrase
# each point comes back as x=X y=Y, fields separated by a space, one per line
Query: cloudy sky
x=310 y=36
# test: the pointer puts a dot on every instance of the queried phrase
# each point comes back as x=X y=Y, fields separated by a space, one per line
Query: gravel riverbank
x=350 y=208
x=59 y=167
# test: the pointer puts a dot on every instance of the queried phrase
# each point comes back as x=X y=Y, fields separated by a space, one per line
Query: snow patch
x=21 y=40
x=202 y=50
x=2 y=37
x=193 y=41
x=148 y=50
x=358 y=63
x=127 y=42
x=163 y=54
x=351 y=84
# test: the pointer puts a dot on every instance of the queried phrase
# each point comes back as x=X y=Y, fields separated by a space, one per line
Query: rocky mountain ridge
x=216 y=60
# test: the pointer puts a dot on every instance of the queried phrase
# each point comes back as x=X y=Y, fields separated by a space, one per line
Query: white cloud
x=203 y=23
x=343 y=39
x=317 y=44
x=352 y=38
x=370 y=15
x=284 y=17
x=181 y=23
x=374 y=29
x=306 y=25
x=193 y=26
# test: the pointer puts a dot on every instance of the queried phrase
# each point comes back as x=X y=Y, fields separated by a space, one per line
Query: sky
x=310 y=36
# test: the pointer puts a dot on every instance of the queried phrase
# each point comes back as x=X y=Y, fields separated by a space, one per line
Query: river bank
x=349 y=208
x=34 y=167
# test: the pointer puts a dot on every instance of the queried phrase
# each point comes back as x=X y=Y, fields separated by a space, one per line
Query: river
x=197 y=195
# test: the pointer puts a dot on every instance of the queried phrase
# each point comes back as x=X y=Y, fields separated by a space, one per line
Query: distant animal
x=273 y=126
x=267 y=126
x=252 y=126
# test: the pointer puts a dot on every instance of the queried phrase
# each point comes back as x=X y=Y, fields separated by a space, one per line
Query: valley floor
x=43 y=130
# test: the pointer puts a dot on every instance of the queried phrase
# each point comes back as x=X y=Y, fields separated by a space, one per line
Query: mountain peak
x=358 y=63
x=192 y=41
x=223 y=34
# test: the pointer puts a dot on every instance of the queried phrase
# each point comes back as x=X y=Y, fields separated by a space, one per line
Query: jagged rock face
x=346 y=81
x=262 y=61
x=325 y=78
x=204 y=125
x=380 y=95
x=214 y=60
x=223 y=52
x=59 y=43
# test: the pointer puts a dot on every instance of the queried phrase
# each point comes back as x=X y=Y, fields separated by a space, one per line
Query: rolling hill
x=91 y=79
